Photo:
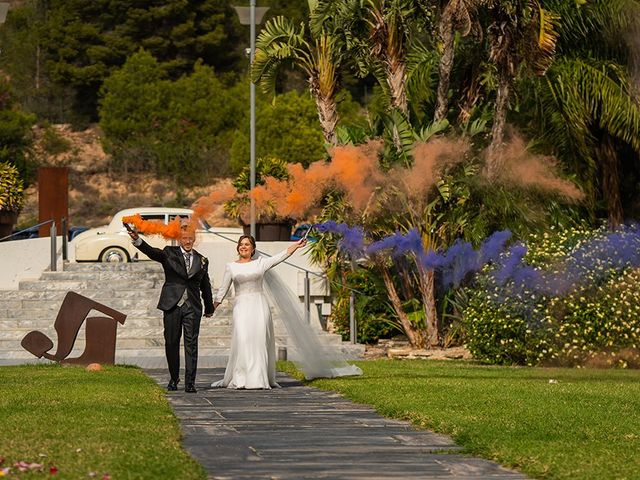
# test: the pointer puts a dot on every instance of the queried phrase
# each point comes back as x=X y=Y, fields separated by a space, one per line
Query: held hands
x=215 y=306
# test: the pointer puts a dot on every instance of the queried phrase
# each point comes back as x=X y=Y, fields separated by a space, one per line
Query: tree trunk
x=37 y=79
x=397 y=78
x=427 y=289
x=608 y=159
x=414 y=336
x=447 y=36
x=328 y=115
x=495 y=153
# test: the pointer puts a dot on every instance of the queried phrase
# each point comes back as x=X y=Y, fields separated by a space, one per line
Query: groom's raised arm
x=151 y=252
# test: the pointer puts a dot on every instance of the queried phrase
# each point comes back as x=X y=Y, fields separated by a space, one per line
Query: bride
x=252 y=359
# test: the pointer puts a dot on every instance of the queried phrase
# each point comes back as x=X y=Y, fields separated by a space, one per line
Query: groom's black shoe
x=173 y=385
x=190 y=388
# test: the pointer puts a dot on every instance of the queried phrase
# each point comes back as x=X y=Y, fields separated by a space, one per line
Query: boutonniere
x=204 y=260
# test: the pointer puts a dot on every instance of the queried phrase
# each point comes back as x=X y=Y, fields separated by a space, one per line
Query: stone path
x=299 y=432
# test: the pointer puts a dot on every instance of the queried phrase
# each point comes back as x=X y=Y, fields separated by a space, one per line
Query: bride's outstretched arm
x=270 y=262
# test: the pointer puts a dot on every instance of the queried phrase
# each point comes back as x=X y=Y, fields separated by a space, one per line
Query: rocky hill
x=96 y=192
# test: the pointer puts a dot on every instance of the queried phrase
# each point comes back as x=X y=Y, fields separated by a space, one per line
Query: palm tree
x=318 y=55
x=586 y=107
x=379 y=36
x=522 y=32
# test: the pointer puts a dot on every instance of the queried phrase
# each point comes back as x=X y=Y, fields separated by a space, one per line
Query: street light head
x=244 y=14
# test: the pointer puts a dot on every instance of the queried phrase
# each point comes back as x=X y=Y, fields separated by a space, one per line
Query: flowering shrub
x=594 y=317
x=11 y=196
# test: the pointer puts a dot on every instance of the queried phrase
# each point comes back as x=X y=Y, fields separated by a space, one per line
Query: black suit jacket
x=176 y=279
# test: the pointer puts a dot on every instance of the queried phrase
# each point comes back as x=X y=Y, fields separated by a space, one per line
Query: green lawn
x=115 y=421
x=585 y=426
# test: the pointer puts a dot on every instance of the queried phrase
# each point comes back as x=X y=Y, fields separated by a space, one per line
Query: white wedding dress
x=252 y=359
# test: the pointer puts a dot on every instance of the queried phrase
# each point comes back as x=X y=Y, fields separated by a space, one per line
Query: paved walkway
x=299 y=432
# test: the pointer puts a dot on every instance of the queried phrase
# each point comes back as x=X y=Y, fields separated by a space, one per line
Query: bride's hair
x=251 y=240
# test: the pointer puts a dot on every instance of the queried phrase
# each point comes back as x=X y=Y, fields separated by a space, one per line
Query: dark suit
x=186 y=316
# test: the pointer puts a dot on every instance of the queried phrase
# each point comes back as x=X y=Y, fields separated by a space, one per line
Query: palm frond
x=476 y=127
x=432 y=129
x=547 y=33
x=594 y=24
x=422 y=70
x=325 y=60
x=396 y=121
x=280 y=42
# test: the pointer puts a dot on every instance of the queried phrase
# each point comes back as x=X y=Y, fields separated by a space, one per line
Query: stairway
x=133 y=289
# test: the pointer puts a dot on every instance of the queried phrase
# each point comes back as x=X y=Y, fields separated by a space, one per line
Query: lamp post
x=4 y=8
x=250 y=16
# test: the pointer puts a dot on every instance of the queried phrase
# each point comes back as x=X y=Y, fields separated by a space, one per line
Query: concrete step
x=154 y=357
x=50 y=312
x=100 y=294
x=153 y=338
x=209 y=332
x=81 y=285
x=113 y=267
x=100 y=275
x=121 y=304
x=128 y=331
x=130 y=322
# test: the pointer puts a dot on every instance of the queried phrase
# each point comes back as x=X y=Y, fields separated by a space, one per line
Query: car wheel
x=114 y=255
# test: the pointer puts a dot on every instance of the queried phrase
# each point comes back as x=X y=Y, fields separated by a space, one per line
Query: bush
x=52 y=142
x=15 y=133
x=179 y=128
x=286 y=128
x=597 y=319
x=373 y=312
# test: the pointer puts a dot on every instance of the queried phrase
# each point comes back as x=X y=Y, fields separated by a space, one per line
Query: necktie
x=187 y=261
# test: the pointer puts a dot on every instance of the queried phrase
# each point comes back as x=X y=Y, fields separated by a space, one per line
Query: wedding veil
x=313 y=357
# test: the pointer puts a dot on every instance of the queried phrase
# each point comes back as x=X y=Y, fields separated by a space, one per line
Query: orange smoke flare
x=171 y=231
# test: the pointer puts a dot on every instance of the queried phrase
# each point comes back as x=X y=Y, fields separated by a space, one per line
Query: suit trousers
x=176 y=320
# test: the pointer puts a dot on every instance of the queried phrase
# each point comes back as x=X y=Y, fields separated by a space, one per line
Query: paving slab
x=300 y=432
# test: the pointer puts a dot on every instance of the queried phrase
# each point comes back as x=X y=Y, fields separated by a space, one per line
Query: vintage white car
x=111 y=243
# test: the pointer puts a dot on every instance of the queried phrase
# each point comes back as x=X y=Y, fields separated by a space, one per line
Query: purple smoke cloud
x=352 y=241
x=592 y=261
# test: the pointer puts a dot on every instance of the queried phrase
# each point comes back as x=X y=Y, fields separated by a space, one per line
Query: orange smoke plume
x=537 y=171
x=353 y=170
x=172 y=230
x=204 y=206
x=429 y=160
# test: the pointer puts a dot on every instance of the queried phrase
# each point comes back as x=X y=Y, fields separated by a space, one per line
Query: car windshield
x=203 y=223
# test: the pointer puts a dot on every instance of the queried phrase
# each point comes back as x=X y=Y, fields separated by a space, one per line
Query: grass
x=585 y=426
x=115 y=421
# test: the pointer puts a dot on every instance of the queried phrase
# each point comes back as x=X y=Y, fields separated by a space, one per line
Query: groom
x=186 y=278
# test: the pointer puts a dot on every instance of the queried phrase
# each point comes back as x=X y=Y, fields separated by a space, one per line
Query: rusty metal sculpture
x=100 y=333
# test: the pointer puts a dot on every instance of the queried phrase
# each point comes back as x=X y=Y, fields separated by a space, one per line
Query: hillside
x=96 y=193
